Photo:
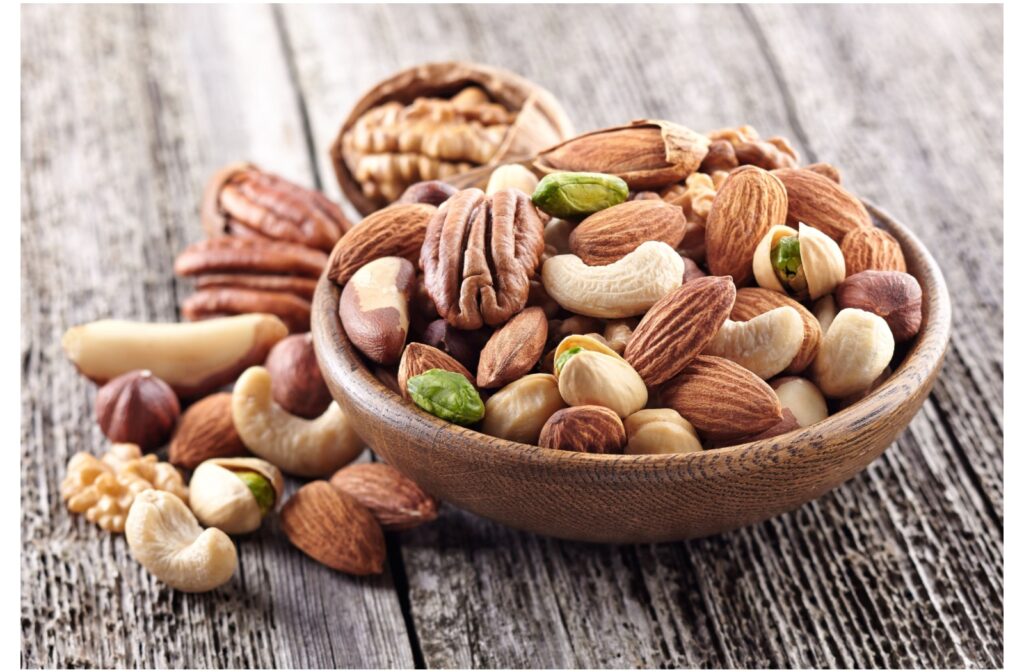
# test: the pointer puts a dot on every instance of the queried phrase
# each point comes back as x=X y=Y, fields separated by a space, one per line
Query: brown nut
x=513 y=349
x=721 y=156
x=463 y=345
x=137 y=407
x=817 y=201
x=393 y=498
x=268 y=205
x=296 y=382
x=479 y=254
x=236 y=254
x=584 y=429
x=872 y=249
x=290 y=284
x=374 y=308
x=610 y=234
x=206 y=431
x=396 y=231
x=207 y=303
x=419 y=358
x=893 y=296
x=431 y=192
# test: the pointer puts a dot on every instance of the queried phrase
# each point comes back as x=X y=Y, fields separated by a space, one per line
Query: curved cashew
x=624 y=288
x=854 y=352
x=297 y=446
x=764 y=345
x=192 y=357
x=166 y=539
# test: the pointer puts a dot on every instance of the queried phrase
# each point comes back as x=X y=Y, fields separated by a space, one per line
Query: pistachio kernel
x=261 y=489
x=447 y=395
x=785 y=258
x=576 y=195
x=564 y=357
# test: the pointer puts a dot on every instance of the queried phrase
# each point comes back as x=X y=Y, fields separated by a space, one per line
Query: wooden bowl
x=636 y=498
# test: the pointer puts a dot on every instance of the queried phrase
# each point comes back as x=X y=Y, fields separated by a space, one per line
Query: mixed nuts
x=641 y=289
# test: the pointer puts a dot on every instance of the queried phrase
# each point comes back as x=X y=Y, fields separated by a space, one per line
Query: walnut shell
x=539 y=120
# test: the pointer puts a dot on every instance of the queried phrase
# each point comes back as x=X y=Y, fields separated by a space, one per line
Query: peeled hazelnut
x=802 y=398
x=296 y=382
x=584 y=429
x=654 y=431
x=137 y=407
x=892 y=295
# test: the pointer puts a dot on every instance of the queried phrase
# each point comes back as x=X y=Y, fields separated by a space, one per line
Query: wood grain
x=127 y=110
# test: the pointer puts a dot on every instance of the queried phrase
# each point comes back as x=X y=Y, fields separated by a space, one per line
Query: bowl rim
x=920 y=364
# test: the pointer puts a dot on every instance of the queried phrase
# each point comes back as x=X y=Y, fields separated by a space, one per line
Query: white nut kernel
x=511 y=176
x=220 y=498
x=765 y=344
x=657 y=431
x=297 y=446
x=803 y=398
x=825 y=311
x=591 y=378
x=854 y=352
x=624 y=288
x=166 y=539
x=518 y=411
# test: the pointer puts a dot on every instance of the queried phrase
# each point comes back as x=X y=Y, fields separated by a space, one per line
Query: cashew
x=591 y=378
x=802 y=398
x=298 y=446
x=192 y=357
x=624 y=288
x=854 y=352
x=518 y=411
x=824 y=310
x=220 y=497
x=764 y=345
x=659 y=431
x=166 y=539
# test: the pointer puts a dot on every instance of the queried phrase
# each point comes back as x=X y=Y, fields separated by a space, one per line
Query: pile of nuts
x=638 y=289
x=641 y=289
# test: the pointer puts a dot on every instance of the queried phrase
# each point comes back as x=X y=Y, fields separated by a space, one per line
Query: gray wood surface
x=126 y=110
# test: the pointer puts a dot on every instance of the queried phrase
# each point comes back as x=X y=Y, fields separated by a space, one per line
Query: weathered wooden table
x=127 y=110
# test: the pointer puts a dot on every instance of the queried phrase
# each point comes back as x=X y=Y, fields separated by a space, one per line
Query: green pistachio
x=449 y=396
x=564 y=357
x=261 y=489
x=785 y=257
x=575 y=195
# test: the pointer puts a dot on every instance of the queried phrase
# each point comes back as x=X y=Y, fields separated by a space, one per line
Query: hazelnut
x=464 y=346
x=892 y=295
x=432 y=192
x=296 y=382
x=137 y=407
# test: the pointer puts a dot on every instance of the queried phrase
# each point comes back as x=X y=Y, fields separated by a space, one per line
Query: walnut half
x=479 y=255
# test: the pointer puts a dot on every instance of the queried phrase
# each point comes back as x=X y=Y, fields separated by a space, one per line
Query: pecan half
x=207 y=303
x=300 y=287
x=234 y=254
x=479 y=255
x=241 y=196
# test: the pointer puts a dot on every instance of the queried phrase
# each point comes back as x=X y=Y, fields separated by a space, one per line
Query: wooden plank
x=900 y=567
x=126 y=110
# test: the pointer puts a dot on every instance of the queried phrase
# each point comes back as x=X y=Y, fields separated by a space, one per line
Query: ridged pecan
x=241 y=198
x=479 y=255
x=206 y=303
x=291 y=284
x=234 y=254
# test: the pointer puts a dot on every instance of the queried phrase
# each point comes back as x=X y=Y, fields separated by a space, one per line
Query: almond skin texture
x=206 y=431
x=754 y=301
x=893 y=296
x=584 y=429
x=374 y=308
x=678 y=327
x=394 y=499
x=872 y=249
x=819 y=202
x=419 y=358
x=722 y=399
x=608 y=235
x=334 y=529
x=395 y=231
x=513 y=349
x=750 y=202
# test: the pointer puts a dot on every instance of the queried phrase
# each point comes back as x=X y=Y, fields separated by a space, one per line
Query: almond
x=393 y=498
x=584 y=429
x=722 y=399
x=826 y=169
x=872 y=249
x=395 y=231
x=419 y=358
x=754 y=301
x=205 y=431
x=612 y=233
x=817 y=201
x=678 y=327
x=749 y=203
x=334 y=529
x=513 y=349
